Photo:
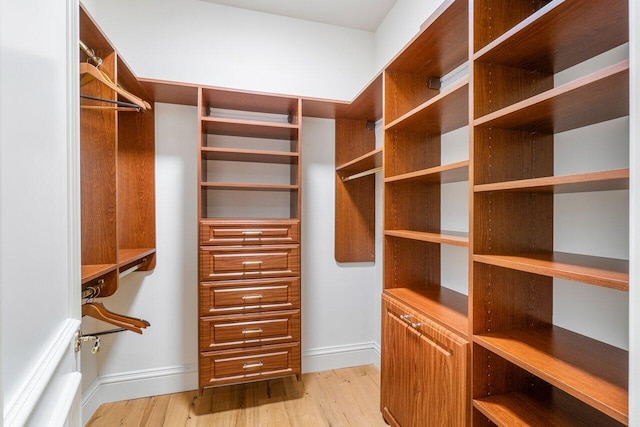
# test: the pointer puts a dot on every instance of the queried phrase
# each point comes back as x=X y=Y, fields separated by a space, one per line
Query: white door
x=39 y=213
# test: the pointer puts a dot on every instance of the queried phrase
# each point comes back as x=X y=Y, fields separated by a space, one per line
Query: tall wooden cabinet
x=249 y=228
x=117 y=158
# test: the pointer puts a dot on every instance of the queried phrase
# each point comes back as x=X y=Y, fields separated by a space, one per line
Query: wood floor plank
x=341 y=397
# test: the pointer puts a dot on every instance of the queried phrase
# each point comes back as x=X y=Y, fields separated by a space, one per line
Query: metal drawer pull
x=246 y=297
x=252 y=365
x=252 y=233
x=406 y=318
x=252 y=331
x=246 y=263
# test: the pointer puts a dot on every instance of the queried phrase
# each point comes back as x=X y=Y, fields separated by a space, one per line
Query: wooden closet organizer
x=493 y=357
x=117 y=158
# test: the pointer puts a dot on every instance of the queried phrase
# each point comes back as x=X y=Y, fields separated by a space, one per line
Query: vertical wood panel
x=354 y=199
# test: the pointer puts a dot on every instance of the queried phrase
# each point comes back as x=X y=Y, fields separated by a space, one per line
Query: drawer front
x=228 y=367
x=249 y=232
x=218 y=333
x=249 y=262
x=249 y=296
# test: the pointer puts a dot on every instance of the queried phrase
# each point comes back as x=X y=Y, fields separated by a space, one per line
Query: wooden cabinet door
x=424 y=371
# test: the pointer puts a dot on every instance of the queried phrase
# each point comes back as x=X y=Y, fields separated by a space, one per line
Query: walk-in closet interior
x=448 y=193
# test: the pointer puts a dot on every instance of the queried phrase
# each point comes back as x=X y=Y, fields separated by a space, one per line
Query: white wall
x=37 y=248
x=400 y=25
x=209 y=44
x=339 y=300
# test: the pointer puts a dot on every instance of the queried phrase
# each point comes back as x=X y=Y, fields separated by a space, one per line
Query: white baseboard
x=153 y=382
x=340 y=356
x=138 y=384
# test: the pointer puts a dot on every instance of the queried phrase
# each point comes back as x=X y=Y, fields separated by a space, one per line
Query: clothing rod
x=97 y=61
x=114 y=108
x=111 y=101
x=110 y=331
x=132 y=269
x=362 y=174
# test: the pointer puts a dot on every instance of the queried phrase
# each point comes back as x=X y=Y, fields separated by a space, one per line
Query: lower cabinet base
x=246 y=365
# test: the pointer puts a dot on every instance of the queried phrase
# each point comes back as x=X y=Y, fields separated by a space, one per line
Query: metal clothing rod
x=362 y=174
x=110 y=331
x=111 y=101
x=132 y=269
x=97 y=61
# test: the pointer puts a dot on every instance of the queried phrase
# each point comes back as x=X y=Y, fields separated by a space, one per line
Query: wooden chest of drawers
x=249 y=300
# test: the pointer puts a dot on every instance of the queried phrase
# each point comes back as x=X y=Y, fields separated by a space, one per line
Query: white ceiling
x=358 y=14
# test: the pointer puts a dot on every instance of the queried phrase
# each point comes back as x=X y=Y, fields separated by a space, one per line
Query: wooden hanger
x=86 y=68
x=99 y=311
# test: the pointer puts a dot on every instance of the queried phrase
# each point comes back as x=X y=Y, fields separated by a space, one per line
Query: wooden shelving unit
x=357 y=160
x=526 y=369
x=117 y=162
x=249 y=258
x=417 y=111
x=445 y=237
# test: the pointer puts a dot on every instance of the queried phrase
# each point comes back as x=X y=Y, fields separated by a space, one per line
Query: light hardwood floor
x=341 y=397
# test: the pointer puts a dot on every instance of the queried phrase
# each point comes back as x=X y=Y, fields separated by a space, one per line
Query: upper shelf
x=441 y=114
x=251 y=102
x=367 y=162
x=445 y=174
x=599 y=271
x=248 y=186
x=597 y=97
x=249 y=128
x=245 y=155
x=560 y=35
x=585 y=182
x=453 y=238
x=444 y=36
x=367 y=105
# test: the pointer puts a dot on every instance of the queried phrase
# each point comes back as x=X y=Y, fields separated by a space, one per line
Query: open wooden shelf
x=91 y=272
x=245 y=186
x=597 y=97
x=253 y=102
x=249 y=128
x=556 y=409
x=561 y=34
x=569 y=361
x=441 y=114
x=368 y=161
x=444 y=37
x=442 y=305
x=599 y=271
x=129 y=256
x=617 y=179
x=367 y=105
x=453 y=238
x=246 y=155
x=454 y=172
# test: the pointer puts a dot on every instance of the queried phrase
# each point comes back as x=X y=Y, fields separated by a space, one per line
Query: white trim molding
x=138 y=384
x=176 y=379
x=340 y=356
x=19 y=409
